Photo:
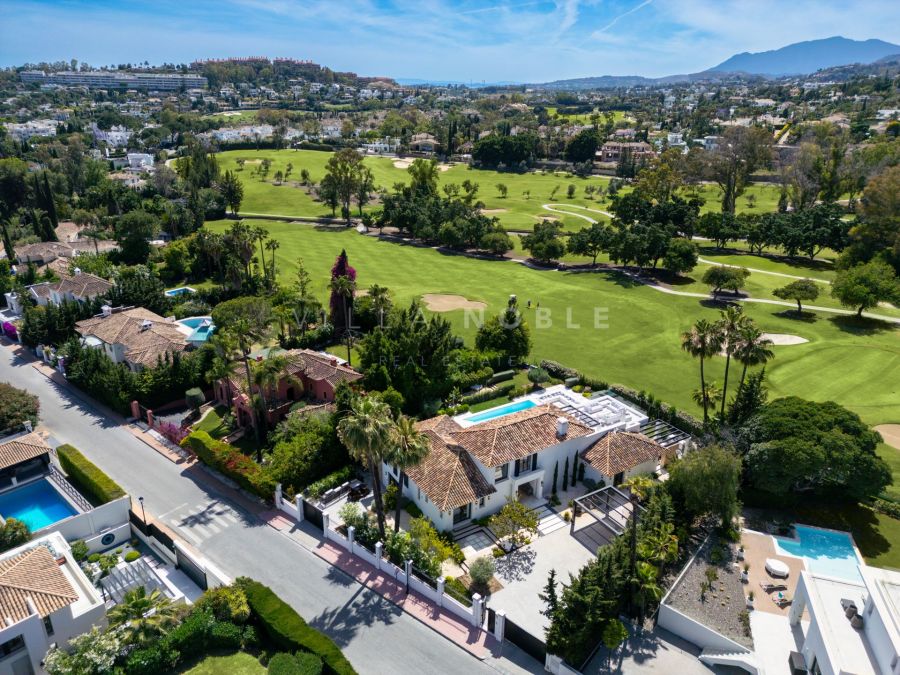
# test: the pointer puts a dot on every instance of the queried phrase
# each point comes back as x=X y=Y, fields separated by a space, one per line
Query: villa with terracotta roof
x=309 y=375
x=45 y=599
x=477 y=462
x=135 y=336
x=80 y=287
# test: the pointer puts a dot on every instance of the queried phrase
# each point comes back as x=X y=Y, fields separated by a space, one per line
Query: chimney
x=145 y=324
x=259 y=358
x=562 y=427
x=77 y=271
x=333 y=362
x=106 y=310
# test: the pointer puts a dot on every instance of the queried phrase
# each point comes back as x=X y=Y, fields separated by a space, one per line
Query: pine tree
x=549 y=597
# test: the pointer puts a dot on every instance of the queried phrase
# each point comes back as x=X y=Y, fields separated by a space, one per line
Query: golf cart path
x=759 y=271
x=560 y=208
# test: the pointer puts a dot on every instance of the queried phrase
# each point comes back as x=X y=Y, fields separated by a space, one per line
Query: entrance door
x=462 y=513
x=619 y=478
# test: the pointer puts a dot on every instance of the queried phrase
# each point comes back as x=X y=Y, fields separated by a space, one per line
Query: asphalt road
x=375 y=635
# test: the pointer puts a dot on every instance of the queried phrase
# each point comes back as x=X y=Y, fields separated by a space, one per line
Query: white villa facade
x=854 y=627
x=479 y=461
x=45 y=599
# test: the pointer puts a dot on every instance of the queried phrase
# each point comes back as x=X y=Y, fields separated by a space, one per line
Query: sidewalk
x=479 y=643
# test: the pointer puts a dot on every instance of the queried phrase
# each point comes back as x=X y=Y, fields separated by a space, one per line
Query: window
x=481 y=502
x=48 y=625
x=501 y=473
x=405 y=481
x=12 y=646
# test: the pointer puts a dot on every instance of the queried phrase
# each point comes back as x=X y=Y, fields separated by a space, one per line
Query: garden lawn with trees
x=854 y=363
x=520 y=209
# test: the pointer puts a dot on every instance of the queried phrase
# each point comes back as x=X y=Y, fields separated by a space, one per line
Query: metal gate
x=491 y=619
x=189 y=567
x=525 y=641
x=312 y=514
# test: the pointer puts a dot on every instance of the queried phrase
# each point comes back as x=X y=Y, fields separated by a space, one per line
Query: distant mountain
x=808 y=57
x=801 y=58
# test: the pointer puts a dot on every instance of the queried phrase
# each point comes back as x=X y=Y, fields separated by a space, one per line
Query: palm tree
x=733 y=319
x=287 y=320
x=381 y=300
x=245 y=333
x=266 y=376
x=272 y=245
x=345 y=287
x=226 y=353
x=709 y=392
x=646 y=587
x=660 y=547
x=752 y=348
x=702 y=341
x=259 y=235
x=366 y=432
x=408 y=447
x=143 y=617
x=638 y=487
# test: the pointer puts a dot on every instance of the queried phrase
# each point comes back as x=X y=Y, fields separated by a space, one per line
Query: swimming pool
x=825 y=551
x=202 y=327
x=507 y=409
x=36 y=504
x=182 y=290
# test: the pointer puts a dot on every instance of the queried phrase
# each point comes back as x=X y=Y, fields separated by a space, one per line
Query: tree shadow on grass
x=805 y=317
x=861 y=325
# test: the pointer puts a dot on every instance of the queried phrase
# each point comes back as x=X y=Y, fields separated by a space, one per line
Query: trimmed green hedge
x=87 y=477
x=288 y=631
x=332 y=480
x=231 y=462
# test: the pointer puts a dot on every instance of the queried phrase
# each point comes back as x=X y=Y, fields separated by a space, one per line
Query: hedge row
x=487 y=393
x=87 y=477
x=330 y=481
x=287 y=631
x=886 y=507
x=231 y=462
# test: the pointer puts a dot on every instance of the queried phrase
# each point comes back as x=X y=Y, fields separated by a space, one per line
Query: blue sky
x=469 y=40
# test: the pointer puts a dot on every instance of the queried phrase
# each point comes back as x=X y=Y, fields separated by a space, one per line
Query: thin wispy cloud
x=496 y=8
x=621 y=16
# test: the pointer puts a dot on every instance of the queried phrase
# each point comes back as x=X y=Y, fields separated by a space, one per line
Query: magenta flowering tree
x=341 y=268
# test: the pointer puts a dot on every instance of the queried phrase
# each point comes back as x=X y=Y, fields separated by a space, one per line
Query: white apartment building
x=101 y=79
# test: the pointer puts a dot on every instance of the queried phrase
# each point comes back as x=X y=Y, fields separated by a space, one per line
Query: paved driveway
x=524 y=574
x=376 y=636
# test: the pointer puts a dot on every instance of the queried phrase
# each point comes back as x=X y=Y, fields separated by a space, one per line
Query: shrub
x=295 y=664
x=502 y=376
x=227 y=603
x=79 y=550
x=88 y=478
x=232 y=463
x=390 y=497
x=330 y=481
x=17 y=406
x=412 y=509
x=482 y=570
x=131 y=556
x=886 y=507
x=194 y=397
x=488 y=393
x=13 y=533
x=516 y=392
x=157 y=658
x=558 y=370
x=226 y=635
x=93 y=557
x=287 y=630
x=191 y=637
x=456 y=590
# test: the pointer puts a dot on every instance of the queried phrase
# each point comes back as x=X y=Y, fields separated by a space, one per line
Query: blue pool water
x=507 y=409
x=37 y=504
x=826 y=552
x=183 y=290
x=200 y=332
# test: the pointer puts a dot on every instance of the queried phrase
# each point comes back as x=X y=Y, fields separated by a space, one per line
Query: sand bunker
x=785 y=339
x=491 y=212
x=890 y=433
x=448 y=303
x=404 y=164
x=252 y=161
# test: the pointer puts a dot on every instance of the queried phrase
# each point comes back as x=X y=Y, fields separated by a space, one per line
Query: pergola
x=610 y=508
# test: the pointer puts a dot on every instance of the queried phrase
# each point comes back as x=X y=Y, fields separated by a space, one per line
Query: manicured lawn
x=892 y=457
x=585 y=118
x=214 y=424
x=239 y=663
x=856 y=364
x=519 y=210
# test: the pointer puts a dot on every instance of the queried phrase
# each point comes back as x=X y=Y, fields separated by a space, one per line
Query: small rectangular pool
x=508 y=409
x=824 y=551
x=36 y=504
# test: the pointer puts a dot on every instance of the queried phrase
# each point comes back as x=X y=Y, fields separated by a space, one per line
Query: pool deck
x=758 y=547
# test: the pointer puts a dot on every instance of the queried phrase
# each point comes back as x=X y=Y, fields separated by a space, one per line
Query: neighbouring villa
x=79 y=287
x=309 y=375
x=45 y=599
x=134 y=335
x=479 y=461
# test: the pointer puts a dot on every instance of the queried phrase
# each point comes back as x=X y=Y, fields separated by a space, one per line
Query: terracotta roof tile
x=620 y=451
x=83 y=285
x=21 y=449
x=448 y=476
x=33 y=574
x=518 y=435
x=142 y=345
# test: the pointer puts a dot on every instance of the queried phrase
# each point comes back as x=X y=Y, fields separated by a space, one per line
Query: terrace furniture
x=777 y=568
x=783 y=602
x=770 y=588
